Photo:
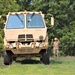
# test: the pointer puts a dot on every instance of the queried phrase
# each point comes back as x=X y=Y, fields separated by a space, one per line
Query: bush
x=61 y=53
x=1 y=42
x=1 y=53
x=68 y=44
x=50 y=50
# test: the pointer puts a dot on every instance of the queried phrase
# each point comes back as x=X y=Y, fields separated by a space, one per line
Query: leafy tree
x=1 y=42
x=24 y=4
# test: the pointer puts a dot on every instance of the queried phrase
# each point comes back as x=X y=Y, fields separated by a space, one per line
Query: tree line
x=63 y=12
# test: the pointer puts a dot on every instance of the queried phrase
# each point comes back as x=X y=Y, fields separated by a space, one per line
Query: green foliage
x=24 y=4
x=1 y=42
x=68 y=43
x=61 y=53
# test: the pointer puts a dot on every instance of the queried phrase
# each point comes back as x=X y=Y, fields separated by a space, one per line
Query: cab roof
x=24 y=12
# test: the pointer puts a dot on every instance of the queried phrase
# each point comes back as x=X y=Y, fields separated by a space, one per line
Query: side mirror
x=52 y=20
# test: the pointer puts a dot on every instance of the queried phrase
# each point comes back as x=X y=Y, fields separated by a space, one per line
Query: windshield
x=15 y=21
x=34 y=21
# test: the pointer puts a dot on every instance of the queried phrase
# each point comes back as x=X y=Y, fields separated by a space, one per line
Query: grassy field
x=59 y=66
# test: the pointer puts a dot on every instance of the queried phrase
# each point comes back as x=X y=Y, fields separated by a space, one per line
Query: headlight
x=44 y=45
x=41 y=37
x=7 y=46
x=10 y=46
x=40 y=45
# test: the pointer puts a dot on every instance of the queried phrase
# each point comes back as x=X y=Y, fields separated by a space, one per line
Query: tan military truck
x=25 y=36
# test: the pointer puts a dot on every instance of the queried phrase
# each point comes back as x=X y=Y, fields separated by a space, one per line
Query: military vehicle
x=25 y=36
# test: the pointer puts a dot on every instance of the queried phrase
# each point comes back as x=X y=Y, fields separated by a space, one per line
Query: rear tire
x=7 y=58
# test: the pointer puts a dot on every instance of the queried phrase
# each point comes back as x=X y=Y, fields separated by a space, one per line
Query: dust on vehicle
x=25 y=36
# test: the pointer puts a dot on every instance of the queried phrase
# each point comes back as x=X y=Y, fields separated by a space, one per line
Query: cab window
x=34 y=21
x=15 y=21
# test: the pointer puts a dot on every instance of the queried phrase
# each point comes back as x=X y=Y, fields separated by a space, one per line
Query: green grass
x=59 y=66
